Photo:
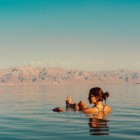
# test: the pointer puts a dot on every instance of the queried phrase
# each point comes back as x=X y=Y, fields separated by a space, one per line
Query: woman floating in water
x=97 y=114
x=96 y=96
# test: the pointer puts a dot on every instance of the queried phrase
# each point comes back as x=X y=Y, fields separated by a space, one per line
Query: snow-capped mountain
x=55 y=75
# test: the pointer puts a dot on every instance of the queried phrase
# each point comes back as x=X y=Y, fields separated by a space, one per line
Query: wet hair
x=97 y=92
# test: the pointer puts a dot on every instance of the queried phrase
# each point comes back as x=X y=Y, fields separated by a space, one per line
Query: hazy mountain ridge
x=54 y=75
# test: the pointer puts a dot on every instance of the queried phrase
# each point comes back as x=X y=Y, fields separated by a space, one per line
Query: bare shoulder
x=90 y=110
x=107 y=108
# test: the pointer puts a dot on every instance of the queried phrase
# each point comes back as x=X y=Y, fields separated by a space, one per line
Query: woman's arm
x=89 y=110
x=83 y=107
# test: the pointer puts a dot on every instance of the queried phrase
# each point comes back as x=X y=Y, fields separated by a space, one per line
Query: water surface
x=26 y=113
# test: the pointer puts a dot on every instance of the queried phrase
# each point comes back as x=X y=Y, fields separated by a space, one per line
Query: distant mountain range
x=54 y=75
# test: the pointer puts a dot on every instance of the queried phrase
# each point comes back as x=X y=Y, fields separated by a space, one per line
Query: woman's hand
x=82 y=105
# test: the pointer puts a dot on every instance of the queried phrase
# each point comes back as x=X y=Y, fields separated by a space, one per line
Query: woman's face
x=92 y=99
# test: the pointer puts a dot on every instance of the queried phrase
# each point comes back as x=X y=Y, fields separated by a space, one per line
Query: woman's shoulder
x=90 y=110
x=107 y=108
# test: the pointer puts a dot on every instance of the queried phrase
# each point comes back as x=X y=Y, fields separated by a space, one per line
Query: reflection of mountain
x=53 y=75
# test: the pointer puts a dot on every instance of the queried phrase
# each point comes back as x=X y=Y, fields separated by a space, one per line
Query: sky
x=91 y=35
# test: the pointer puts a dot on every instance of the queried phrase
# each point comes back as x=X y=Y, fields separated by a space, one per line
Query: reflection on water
x=98 y=126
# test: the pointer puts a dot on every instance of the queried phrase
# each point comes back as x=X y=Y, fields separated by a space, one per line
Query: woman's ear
x=97 y=98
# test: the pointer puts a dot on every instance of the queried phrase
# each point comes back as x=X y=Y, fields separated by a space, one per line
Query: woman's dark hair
x=97 y=92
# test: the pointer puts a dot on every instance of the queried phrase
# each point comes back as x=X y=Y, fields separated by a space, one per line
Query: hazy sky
x=77 y=34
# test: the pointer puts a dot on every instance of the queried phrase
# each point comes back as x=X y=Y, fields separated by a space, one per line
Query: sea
x=26 y=113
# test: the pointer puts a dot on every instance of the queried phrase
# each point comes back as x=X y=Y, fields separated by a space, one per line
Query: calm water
x=25 y=113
